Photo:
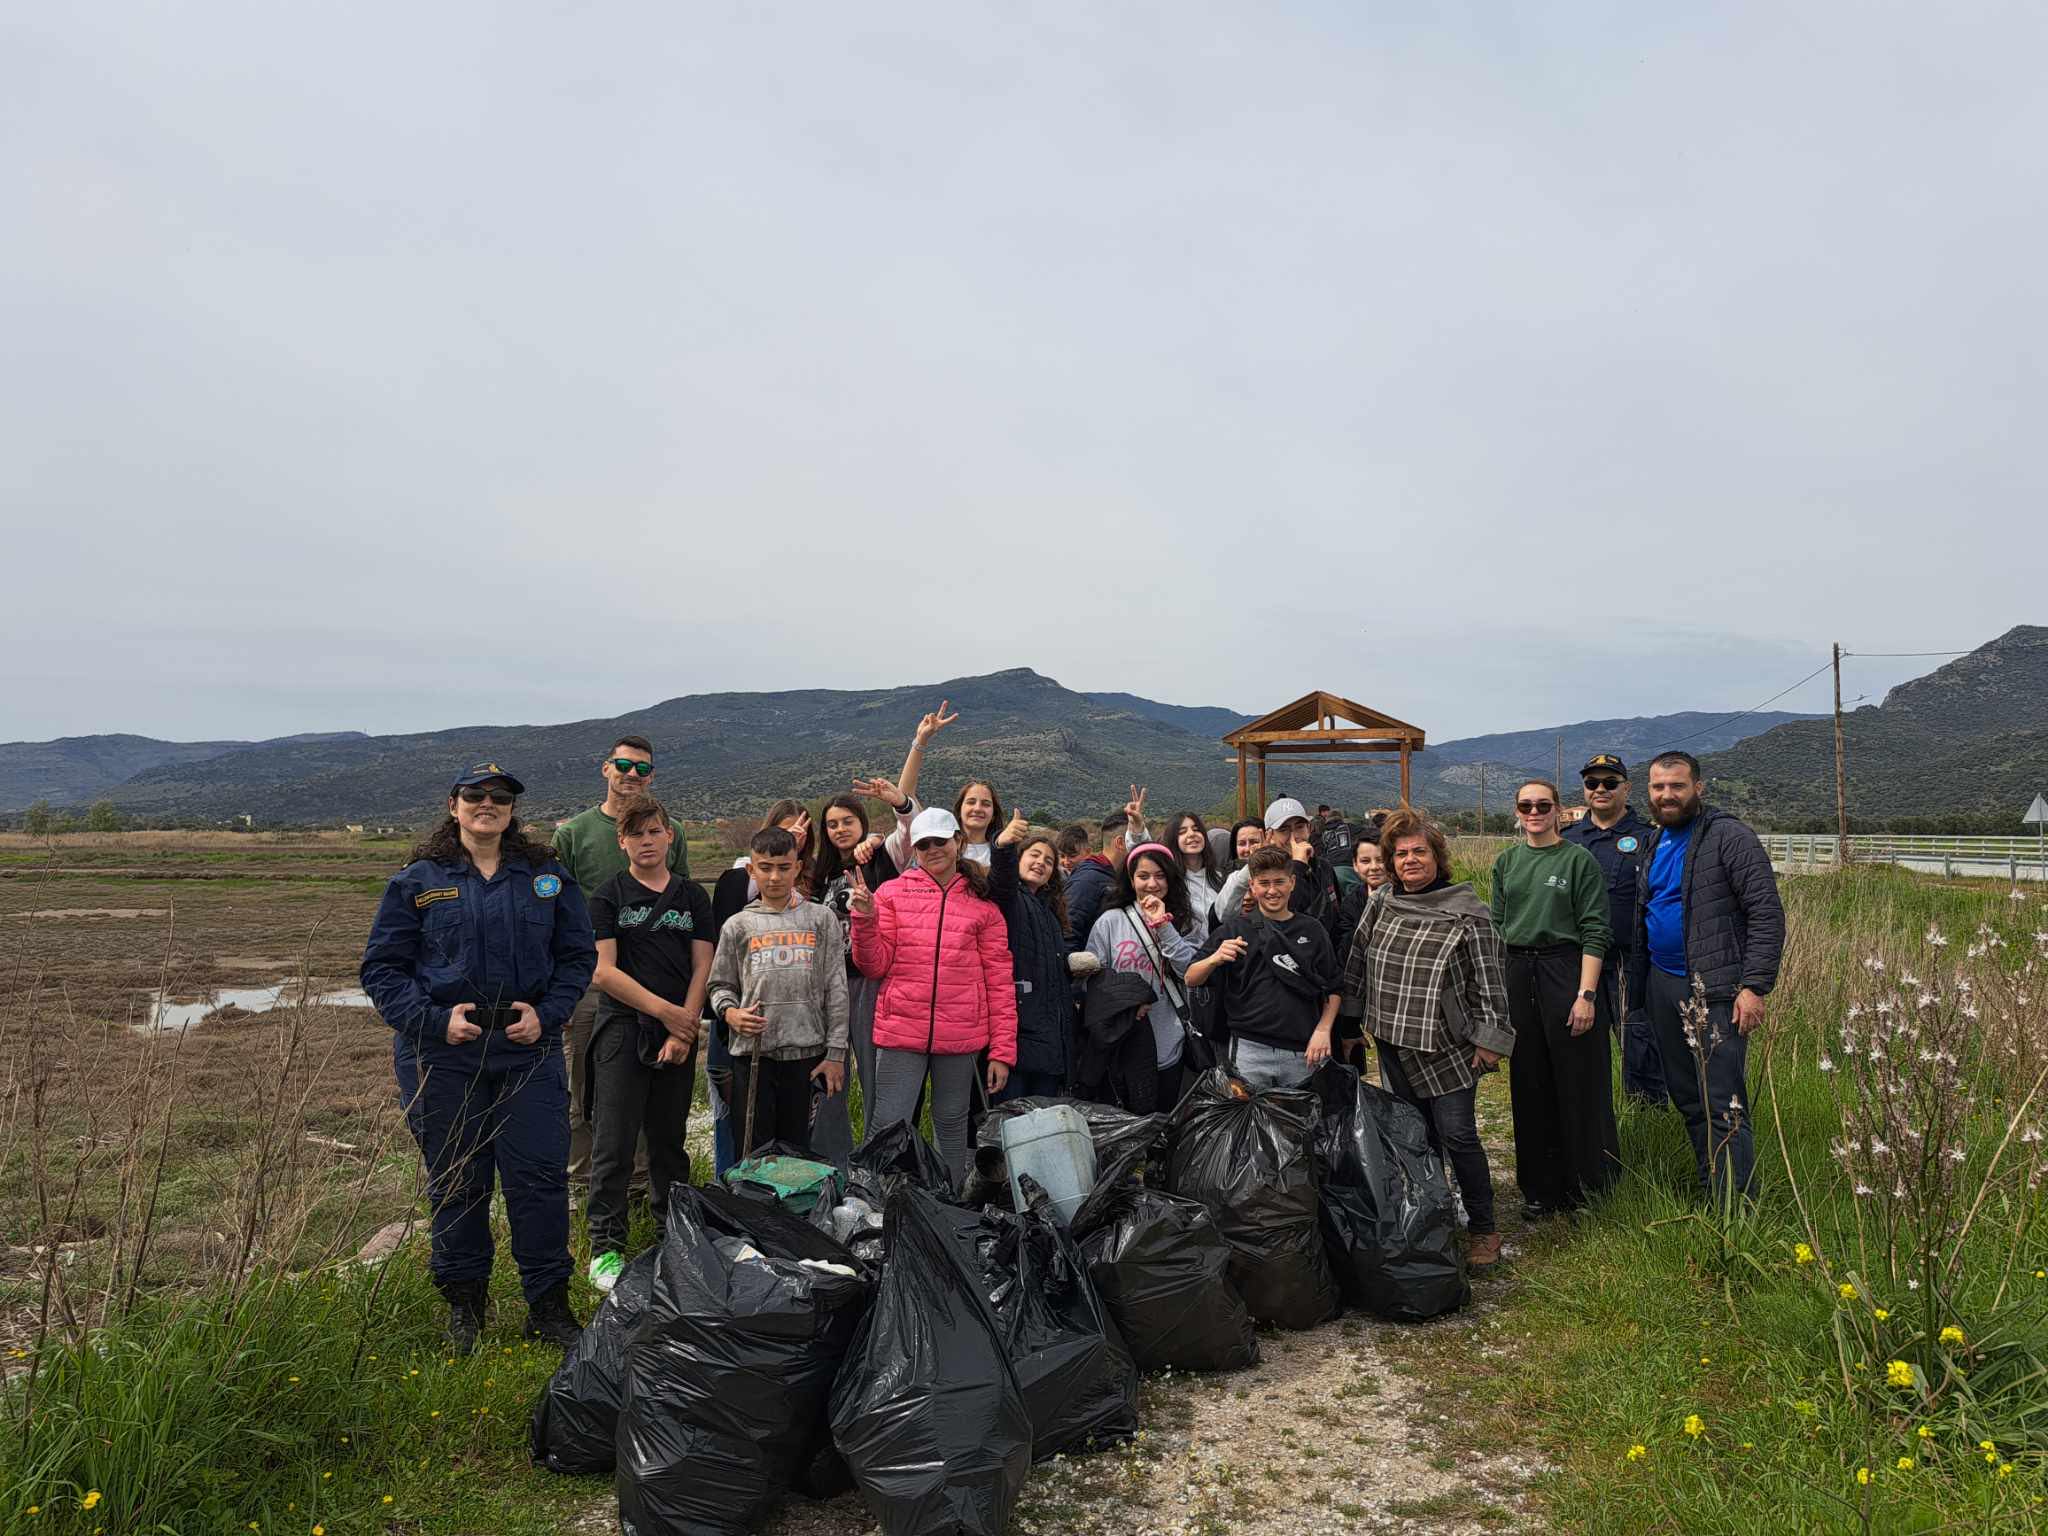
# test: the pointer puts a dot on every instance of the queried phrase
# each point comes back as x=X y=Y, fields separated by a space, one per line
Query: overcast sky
x=386 y=367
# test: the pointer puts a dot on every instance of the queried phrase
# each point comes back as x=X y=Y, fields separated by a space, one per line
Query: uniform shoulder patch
x=444 y=893
x=545 y=886
x=1628 y=844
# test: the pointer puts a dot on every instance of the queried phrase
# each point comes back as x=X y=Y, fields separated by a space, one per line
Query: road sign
x=2038 y=811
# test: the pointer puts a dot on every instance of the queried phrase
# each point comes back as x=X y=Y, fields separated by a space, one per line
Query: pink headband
x=1161 y=849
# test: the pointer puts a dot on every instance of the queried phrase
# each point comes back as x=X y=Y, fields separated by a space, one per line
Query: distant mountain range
x=1056 y=752
x=1970 y=737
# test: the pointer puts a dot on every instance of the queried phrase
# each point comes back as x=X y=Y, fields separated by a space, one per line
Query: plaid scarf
x=1409 y=949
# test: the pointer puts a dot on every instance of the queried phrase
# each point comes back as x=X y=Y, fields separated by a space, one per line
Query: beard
x=1671 y=815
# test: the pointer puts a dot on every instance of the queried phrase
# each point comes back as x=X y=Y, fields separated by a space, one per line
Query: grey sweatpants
x=899 y=1075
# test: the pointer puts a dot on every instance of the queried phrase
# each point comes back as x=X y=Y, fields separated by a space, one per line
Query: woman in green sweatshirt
x=1550 y=906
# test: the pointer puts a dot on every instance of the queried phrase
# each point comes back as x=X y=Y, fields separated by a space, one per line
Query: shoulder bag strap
x=1167 y=980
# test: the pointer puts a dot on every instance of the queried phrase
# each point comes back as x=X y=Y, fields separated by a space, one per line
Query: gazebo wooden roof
x=1307 y=731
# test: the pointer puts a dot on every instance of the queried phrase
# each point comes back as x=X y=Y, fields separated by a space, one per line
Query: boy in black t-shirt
x=1279 y=988
x=654 y=941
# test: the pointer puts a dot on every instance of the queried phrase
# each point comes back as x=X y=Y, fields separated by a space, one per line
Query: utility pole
x=1560 y=767
x=1482 y=799
x=1841 y=775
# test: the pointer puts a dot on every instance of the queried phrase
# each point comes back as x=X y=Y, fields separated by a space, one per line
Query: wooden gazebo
x=1307 y=731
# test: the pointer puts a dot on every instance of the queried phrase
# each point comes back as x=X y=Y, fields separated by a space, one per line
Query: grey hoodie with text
x=792 y=966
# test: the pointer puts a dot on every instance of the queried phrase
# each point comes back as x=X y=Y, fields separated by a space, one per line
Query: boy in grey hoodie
x=778 y=982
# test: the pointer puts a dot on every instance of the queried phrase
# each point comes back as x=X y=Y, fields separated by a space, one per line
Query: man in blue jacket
x=1617 y=837
x=480 y=949
x=1707 y=917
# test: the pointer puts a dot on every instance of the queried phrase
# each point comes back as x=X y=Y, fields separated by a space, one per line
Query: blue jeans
x=1259 y=1065
x=1642 y=1066
x=1716 y=1130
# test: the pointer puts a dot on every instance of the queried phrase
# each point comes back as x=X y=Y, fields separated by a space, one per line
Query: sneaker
x=465 y=1315
x=1485 y=1251
x=1535 y=1210
x=550 y=1319
x=604 y=1271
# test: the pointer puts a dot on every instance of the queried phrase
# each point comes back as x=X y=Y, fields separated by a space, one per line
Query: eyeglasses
x=1535 y=807
x=633 y=765
x=474 y=796
x=1603 y=783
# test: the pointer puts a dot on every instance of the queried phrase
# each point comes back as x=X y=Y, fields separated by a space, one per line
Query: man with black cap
x=1613 y=833
x=480 y=948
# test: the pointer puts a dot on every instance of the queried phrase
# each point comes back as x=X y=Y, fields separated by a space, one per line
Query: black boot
x=465 y=1314
x=550 y=1318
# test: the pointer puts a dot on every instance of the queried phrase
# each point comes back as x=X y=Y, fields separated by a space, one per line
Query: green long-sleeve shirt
x=588 y=846
x=1553 y=895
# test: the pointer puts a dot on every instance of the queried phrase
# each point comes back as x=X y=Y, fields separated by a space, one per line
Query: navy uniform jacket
x=1620 y=849
x=444 y=935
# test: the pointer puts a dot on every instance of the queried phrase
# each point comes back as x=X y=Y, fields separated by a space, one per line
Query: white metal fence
x=2014 y=858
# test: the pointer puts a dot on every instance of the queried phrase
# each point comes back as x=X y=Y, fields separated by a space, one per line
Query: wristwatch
x=1588 y=996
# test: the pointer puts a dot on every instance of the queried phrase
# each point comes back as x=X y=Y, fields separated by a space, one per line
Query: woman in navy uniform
x=480 y=949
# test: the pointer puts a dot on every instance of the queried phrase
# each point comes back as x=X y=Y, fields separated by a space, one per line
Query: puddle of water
x=165 y=1014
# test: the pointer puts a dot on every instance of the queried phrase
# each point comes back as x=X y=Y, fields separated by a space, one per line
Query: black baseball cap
x=484 y=773
x=1605 y=762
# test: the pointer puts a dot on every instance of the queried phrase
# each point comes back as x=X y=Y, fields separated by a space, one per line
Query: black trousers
x=1566 y=1147
x=782 y=1102
x=628 y=1098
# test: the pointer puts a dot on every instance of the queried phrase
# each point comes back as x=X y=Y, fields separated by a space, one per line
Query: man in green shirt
x=588 y=846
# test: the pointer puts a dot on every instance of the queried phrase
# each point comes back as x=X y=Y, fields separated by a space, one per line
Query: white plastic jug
x=1054 y=1147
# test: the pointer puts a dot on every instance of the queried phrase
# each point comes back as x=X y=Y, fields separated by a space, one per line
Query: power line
x=1905 y=653
x=1816 y=672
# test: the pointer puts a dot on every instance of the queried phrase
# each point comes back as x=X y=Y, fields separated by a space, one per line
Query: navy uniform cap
x=1605 y=762
x=483 y=773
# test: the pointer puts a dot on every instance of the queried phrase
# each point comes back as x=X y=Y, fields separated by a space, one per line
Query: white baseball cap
x=933 y=821
x=1281 y=812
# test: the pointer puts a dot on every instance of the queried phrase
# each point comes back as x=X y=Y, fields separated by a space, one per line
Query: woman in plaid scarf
x=1427 y=976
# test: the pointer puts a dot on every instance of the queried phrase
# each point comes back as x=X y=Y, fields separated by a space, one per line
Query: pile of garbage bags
x=884 y=1331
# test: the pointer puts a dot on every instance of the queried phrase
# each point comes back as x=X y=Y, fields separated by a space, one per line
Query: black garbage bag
x=728 y=1375
x=577 y=1415
x=1113 y=1131
x=787 y=1174
x=1248 y=1156
x=1079 y=1382
x=927 y=1410
x=896 y=1152
x=1162 y=1269
x=1387 y=1217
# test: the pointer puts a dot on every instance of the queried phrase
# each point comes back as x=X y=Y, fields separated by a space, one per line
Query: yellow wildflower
x=2005 y=1469
x=1925 y=1432
x=1801 y=1254
x=1706 y=1359
x=1846 y=1291
x=1638 y=1451
x=1880 y=1314
x=35 y=1509
x=325 y=1475
x=1986 y=1445
x=1990 y=1456
x=1952 y=1336
x=1863 y=1476
x=90 y=1501
x=1905 y=1463
x=319 y=1530
x=435 y=1414
x=387 y=1498
x=1898 y=1373
x=1694 y=1426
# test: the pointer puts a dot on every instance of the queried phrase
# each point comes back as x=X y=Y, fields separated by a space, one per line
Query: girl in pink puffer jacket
x=941 y=952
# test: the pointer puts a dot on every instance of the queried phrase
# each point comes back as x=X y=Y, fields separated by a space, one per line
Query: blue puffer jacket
x=1038 y=951
x=1734 y=921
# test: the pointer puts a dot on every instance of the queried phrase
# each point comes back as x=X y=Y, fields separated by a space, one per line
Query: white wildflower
x=1874 y=965
x=1908 y=979
x=1878 y=1148
x=1955 y=1154
x=1863 y=1190
x=1826 y=1065
x=1936 y=937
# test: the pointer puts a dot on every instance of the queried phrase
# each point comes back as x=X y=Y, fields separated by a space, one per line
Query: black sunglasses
x=1535 y=807
x=1603 y=783
x=633 y=765
x=475 y=796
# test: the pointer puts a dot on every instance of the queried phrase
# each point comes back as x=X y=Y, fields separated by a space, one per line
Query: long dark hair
x=1177 y=907
x=1210 y=865
x=831 y=863
x=1054 y=892
x=443 y=844
x=1237 y=827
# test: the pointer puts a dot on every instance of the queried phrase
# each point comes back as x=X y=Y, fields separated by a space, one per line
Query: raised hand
x=1230 y=951
x=1135 y=806
x=934 y=723
x=881 y=789
x=800 y=829
x=1014 y=831
x=1301 y=850
x=860 y=901
x=1152 y=909
x=868 y=847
